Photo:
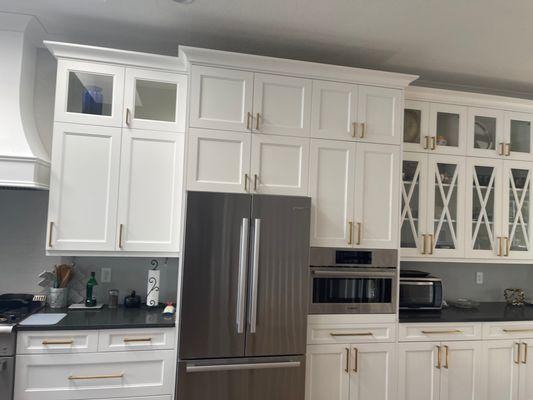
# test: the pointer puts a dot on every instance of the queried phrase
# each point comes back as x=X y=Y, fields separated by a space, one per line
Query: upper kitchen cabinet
x=89 y=93
x=416 y=126
x=282 y=105
x=447 y=124
x=485 y=133
x=155 y=100
x=518 y=128
x=221 y=98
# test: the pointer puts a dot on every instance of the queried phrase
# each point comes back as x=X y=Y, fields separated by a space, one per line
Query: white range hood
x=24 y=161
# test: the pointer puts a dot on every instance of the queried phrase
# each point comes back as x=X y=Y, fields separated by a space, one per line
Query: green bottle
x=90 y=300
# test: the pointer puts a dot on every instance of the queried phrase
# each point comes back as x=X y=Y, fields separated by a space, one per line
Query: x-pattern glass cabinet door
x=414 y=206
x=517 y=215
x=484 y=208
x=446 y=200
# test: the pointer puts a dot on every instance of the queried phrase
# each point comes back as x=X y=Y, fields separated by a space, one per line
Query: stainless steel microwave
x=422 y=292
x=353 y=281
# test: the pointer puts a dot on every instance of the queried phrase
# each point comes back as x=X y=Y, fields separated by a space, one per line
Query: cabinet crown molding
x=115 y=56
x=304 y=69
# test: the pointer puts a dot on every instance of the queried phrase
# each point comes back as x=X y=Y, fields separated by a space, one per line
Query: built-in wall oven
x=353 y=281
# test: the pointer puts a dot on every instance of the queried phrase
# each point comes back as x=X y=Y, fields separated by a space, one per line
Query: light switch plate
x=105 y=275
x=479 y=278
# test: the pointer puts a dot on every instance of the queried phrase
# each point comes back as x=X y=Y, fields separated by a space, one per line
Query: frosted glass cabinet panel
x=416 y=126
x=485 y=133
x=519 y=136
x=448 y=129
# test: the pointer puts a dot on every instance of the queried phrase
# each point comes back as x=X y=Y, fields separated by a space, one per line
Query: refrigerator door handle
x=243 y=260
x=255 y=271
x=236 y=367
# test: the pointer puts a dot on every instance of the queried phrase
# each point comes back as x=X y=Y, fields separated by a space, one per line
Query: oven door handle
x=366 y=274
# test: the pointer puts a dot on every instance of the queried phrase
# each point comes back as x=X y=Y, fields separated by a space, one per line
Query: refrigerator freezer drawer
x=262 y=378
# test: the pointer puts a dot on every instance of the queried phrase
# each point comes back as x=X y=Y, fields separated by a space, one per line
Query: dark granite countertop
x=106 y=318
x=486 y=312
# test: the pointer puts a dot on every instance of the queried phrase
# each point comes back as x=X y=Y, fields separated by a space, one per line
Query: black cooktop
x=15 y=307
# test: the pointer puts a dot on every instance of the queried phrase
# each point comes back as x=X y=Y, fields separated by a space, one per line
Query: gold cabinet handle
x=350 y=232
x=143 y=339
x=517 y=330
x=439 y=358
x=363 y=131
x=424 y=250
x=359 y=234
x=356 y=360
x=500 y=252
x=455 y=331
x=50 y=229
x=120 y=229
x=517 y=360
x=47 y=342
x=431 y=243
x=90 y=377
x=502 y=147
x=255 y=182
x=354 y=129
x=128 y=117
x=245 y=182
x=524 y=361
x=446 y=360
x=248 y=118
x=426 y=142
x=433 y=142
x=258 y=116
x=333 y=334
x=507 y=149
x=347 y=369
x=507 y=247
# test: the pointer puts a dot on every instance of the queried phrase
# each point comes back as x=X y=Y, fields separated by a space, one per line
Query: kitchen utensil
x=58 y=297
x=467 y=304
x=515 y=296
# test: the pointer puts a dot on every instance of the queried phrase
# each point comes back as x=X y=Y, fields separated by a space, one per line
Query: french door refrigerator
x=244 y=297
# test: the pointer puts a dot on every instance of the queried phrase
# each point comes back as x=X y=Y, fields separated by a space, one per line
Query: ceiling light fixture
x=184 y=1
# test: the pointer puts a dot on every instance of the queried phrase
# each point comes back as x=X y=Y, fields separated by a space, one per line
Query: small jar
x=113 y=298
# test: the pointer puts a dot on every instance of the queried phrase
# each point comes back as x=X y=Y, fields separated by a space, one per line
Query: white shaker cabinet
x=150 y=191
x=221 y=98
x=84 y=184
x=461 y=371
x=419 y=374
x=500 y=375
x=328 y=372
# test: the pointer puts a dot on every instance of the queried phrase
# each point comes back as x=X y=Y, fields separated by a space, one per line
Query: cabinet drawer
x=439 y=332
x=350 y=333
x=136 y=339
x=50 y=342
x=508 y=330
x=94 y=376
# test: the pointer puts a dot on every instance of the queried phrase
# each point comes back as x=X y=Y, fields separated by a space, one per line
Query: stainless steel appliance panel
x=263 y=378
x=7 y=375
x=278 y=295
x=212 y=312
x=377 y=258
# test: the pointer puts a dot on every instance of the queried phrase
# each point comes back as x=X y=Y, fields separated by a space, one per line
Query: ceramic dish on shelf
x=466 y=304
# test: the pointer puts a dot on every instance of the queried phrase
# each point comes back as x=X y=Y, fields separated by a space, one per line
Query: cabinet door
x=419 y=372
x=373 y=375
x=500 y=370
x=483 y=208
x=414 y=204
x=282 y=105
x=84 y=180
x=218 y=161
x=150 y=191
x=331 y=185
x=519 y=136
x=416 y=126
x=89 y=93
x=334 y=113
x=446 y=199
x=380 y=115
x=280 y=165
x=221 y=98
x=155 y=100
x=526 y=371
x=377 y=178
x=461 y=371
x=327 y=372
x=485 y=133
x=517 y=183
x=447 y=129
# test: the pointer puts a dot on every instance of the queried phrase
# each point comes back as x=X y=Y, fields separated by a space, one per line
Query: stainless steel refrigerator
x=244 y=297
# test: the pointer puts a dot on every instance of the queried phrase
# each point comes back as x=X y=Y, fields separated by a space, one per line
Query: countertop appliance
x=13 y=309
x=244 y=297
x=420 y=291
x=347 y=281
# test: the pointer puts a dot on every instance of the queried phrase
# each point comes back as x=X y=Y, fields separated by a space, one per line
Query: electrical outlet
x=479 y=278
x=105 y=275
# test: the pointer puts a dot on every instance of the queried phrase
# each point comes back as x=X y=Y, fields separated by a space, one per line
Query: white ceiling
x=481 y=44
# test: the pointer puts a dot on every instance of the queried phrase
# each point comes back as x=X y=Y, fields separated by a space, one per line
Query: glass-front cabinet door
x=89 y=93
x=446 y=200
x=517 y=214
x=154 y=100
x=483 y=208
x=485 y=133
x=447 y=129
x=519 y=136
x=413 y=212
x=416 y=126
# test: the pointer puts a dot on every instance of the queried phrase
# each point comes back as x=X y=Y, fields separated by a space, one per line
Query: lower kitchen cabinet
x=355 y=372
x=500 y=375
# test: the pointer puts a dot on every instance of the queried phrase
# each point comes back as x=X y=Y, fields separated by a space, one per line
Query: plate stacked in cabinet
x=337 y=142
x=466 y=177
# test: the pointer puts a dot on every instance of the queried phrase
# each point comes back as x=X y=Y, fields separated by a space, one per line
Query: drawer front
x=439 y=332
x=169 y=397
x=94 y=376
x=508 y=330
x=136 y=339
x=50 y=342
x=350 y=333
